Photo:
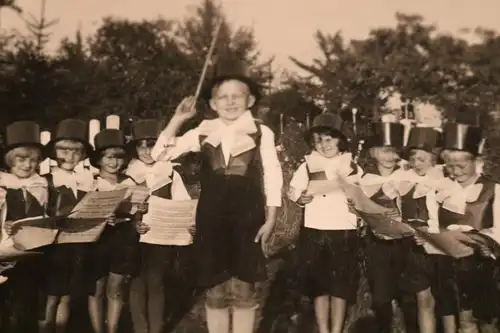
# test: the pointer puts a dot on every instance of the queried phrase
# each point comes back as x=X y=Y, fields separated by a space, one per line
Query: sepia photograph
x=249 y=166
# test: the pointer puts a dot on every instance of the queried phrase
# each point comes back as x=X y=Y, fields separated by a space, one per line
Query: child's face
x=325 y=145
x=113 y=160
x=143 y=149
x=231 y=99
x=69 y=153
x=421 y=161
x=460 y=165
x=25 y=161
x=386 y=157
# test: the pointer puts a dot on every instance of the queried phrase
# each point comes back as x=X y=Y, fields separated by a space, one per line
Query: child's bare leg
x=217 y=310
x=115 y=295
x=244 y=306
x=449 y=324
x=339 y=309
x=322 y=311
x=138 y=304
x=156 y=301
x=426 y=314
x=96 y=306
x=62 y=315
x=47 y=325
x=466 y=322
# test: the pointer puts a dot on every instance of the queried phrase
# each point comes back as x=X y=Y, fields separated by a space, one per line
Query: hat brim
x=38 y=145
x=95 y=155
x=50 y=147
x=253 y=87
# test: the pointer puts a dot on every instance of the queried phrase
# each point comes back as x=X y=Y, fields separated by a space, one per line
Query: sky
x=283 y=28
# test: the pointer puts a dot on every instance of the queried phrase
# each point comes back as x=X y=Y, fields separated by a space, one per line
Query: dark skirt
x=116 y=251
x=394 y=269
x=66 y=269
x=230 y=211
x=468 y=283
x=328 y=262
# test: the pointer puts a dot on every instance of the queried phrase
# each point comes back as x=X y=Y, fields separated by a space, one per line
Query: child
x=65 y=262
x=468 y=201
x=418 y=204
x=161 y=265
x=114 y=256
x=328 y=241
x=26 y=196
x=240 y=175
x=386 y=257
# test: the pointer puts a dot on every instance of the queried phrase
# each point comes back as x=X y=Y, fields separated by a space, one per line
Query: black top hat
x=70 y=129
x=22 y=134
x=424 y=138
x=254 y=87
x=107 y=138
x=386 y=134
x=325 y=121
x=145 y=129
x=462 y=137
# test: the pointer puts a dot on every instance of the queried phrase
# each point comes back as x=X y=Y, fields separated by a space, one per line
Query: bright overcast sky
x=283 y=27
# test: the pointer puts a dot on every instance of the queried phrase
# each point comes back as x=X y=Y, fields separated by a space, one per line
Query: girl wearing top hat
x=468 y=200
x=65 y=262
x=240 y=178
x=114 y=257
x=385 y=258
x=26 y=196
x=162 y=266
x=328 y=242
x=418 y=205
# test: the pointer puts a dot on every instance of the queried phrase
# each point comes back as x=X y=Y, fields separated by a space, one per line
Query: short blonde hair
x=73 y=144
x=445 y=154
x=11 y=155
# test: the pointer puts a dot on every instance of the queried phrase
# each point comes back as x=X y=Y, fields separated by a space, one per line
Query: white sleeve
x=179 y=191
x=496 y=207
x=433 y=209
x=273 y=175
x=166 y=149
x=299 y=183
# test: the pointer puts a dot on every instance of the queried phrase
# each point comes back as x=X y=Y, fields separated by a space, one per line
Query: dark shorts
x=468 y=283
x=394 y=268
x=329 y=263
x=418 y=271
x=116 y=251
x=66 y=269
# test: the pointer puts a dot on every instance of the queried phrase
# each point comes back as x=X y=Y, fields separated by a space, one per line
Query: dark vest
x=20 y=208
x=412 y=208
x=61 y=198
x=247 y=164
x=478 y=214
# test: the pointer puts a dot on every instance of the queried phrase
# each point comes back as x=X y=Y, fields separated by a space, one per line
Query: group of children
x=241 y=191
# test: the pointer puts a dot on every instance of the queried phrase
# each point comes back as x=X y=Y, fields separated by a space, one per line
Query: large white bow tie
x=36 y=185
x=333 y=167
x=454 y=197
x=409 y=179
x=215 y=131
x=372 y=183
x=75 y=181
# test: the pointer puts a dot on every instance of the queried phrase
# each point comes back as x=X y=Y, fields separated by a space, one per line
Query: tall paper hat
x=387 y=134
x=21 y=134
x=462 y=137
x=145 y=129
x=424 y=138
x=70 y=129
x=107 y=138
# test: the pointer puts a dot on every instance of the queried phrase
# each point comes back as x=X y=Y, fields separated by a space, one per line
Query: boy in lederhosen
x=328 y=242
x=66 y=262
x=26 y=196
x=114 y=258
x=385 y=258
x=163 y=268
x=469 y=200
x=240 y=176
x=417 y=188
